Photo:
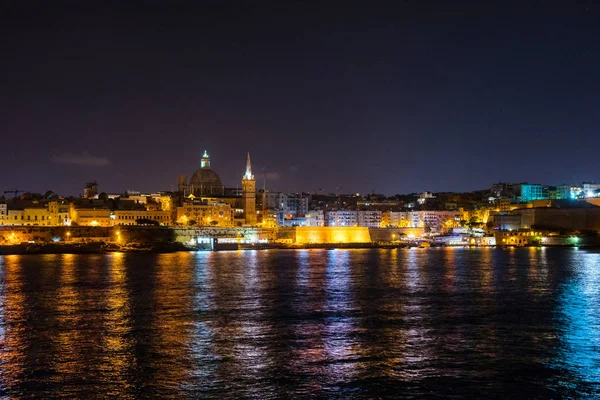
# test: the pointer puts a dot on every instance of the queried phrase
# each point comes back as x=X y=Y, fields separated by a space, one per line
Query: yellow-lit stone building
x=398 y=219
x=166 y=202
x=205 y=213
x=130 y=217
x=50 y=214
x=90 y=216
x=3 y=214
x=16 y=217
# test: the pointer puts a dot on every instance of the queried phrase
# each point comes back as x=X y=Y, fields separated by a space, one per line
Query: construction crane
x=15 y=191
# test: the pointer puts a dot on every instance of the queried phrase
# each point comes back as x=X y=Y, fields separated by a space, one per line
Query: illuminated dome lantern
x=205 y=181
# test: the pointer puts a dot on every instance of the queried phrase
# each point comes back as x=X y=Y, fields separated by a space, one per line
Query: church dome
x=205 y=177
x=205 y=181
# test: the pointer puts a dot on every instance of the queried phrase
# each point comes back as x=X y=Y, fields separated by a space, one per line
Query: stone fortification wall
x=331 y=234
x=161 y=235
x=125 y=234
x=20 y=234
x=569 y=241
x=561 y=218
x=391 y=234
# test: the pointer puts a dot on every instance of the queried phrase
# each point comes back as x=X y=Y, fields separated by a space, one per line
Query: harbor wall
x=126 y=234
x=392 y=234
x=331 y=234
x=159 y=235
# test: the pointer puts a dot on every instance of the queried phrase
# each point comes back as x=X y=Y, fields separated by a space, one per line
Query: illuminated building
x=50 y=214
x=59 y=213
x=313 y=235
x=283 y=206
x=268 y=218
x=367 y=218
x=436 y=221
x=518 y=238
x=130 y=217
x=3 y=214
x=502 y=205
x=36 y=216
x=268 y=200
x=204 y=182
x=16 y=217
x=560 y=192
x=90 y=216
x=165 y=201
x=591 y=189
x=312 y=218
x=530 y=192
x=341 y=218
x=315 y=218
x=295 y=204
x=397 y=219
x=249 y=194
x=205 y=213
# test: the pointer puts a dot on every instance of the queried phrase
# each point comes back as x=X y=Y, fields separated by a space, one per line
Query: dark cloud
x=83 y=159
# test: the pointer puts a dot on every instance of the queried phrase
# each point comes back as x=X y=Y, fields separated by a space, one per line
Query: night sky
x=391 y=99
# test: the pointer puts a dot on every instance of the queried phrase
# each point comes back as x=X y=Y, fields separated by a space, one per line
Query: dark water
x=418 y=323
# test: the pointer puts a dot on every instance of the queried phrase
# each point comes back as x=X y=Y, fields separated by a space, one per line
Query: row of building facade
x=203 y=200
x=211 y=211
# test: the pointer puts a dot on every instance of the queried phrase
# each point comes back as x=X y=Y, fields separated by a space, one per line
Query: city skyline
x=391 y=100
x=261 y=181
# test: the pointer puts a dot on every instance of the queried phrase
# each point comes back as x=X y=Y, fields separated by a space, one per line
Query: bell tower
x=249 y=194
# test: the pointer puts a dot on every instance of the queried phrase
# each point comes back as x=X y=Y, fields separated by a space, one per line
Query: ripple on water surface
x=404 y=323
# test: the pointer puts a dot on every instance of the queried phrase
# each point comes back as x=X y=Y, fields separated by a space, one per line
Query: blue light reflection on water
x=578 y=314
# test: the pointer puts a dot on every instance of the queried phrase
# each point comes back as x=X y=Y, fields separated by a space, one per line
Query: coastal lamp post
x=393 y=237
x=68 y=235
x=118 y=236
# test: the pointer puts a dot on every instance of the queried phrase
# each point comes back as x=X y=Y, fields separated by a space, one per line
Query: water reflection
x=117 y=342
x=309 y=323
x=341 y=349
x=579 y=313
x=14 y=339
